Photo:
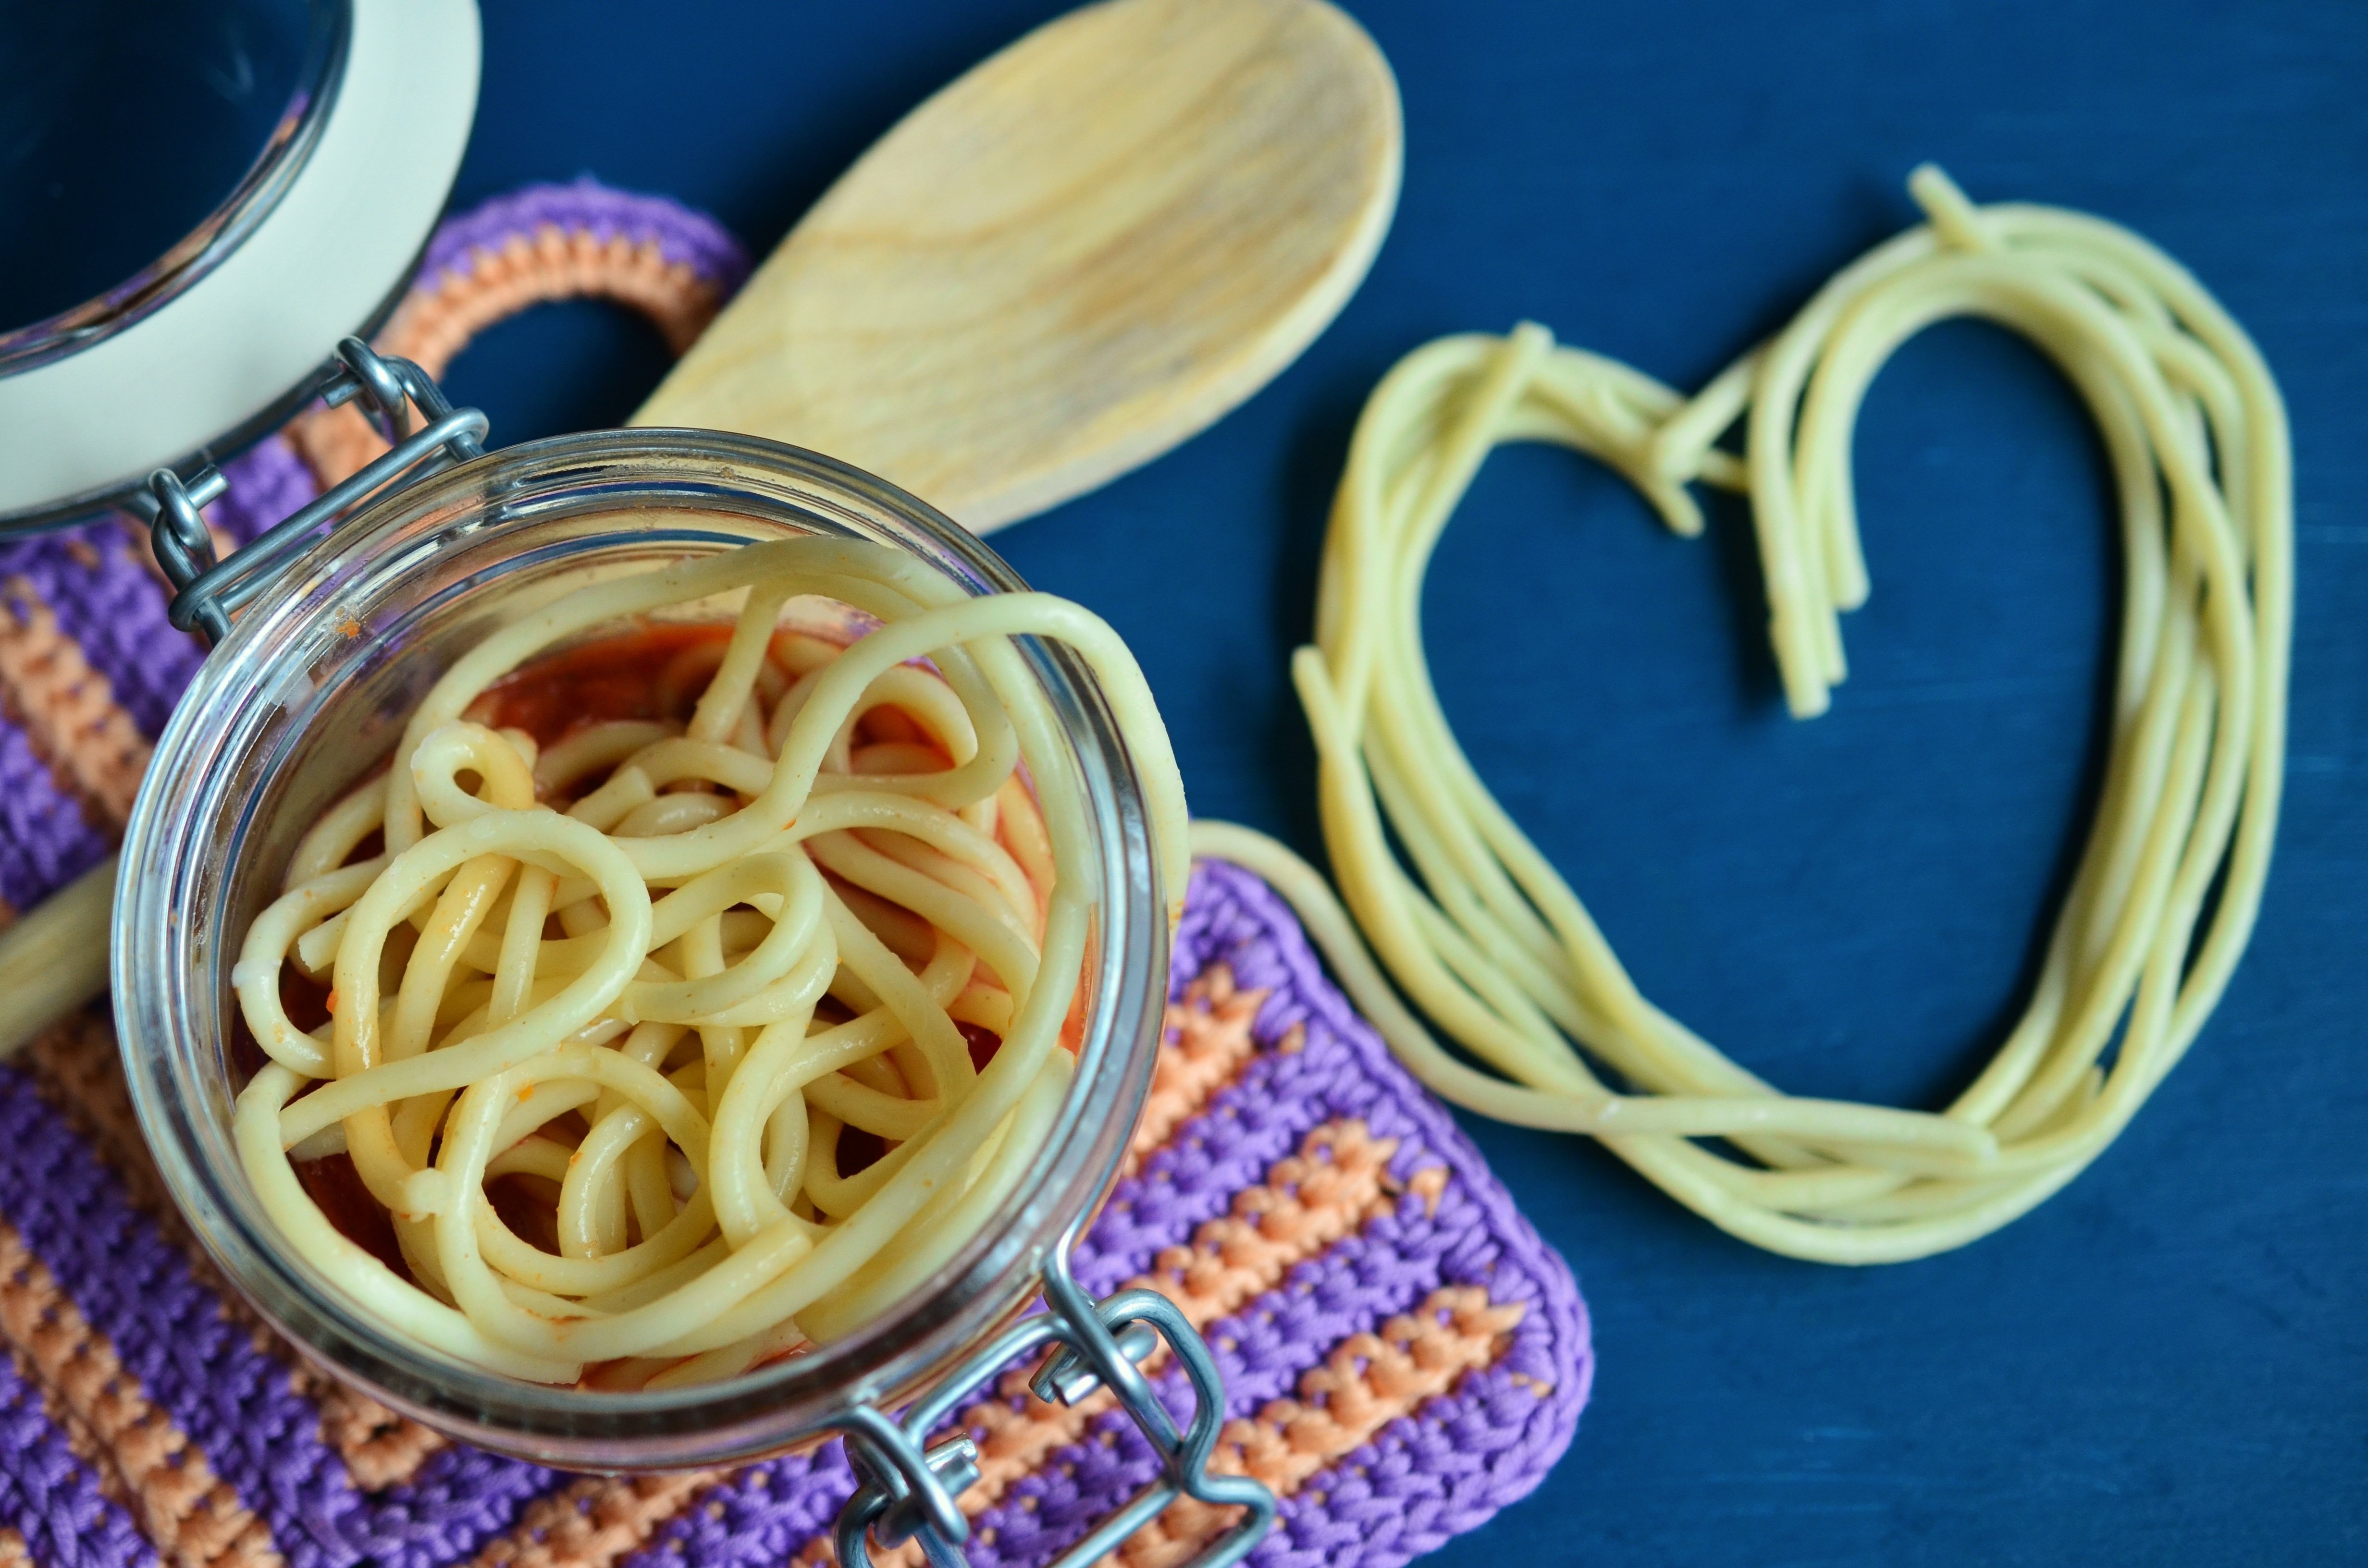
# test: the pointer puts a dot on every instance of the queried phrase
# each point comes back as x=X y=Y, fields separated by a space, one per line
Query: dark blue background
x=2170 y=1361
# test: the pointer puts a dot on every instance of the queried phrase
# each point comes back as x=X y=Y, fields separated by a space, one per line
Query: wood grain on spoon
x=1078 y=254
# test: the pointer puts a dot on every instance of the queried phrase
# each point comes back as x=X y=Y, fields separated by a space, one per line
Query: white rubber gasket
x=333 y=249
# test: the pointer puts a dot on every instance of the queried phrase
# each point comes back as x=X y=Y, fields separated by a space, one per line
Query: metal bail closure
x=908 y=1487
x=211 y=590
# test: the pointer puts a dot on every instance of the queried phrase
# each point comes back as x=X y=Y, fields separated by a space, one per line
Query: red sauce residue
x=1072 y=1028
x=303 y=999
x=655 y=672
x=616 y=677
x=532 y=1221
x=893 y=724
x=307 y=1006
x=334 y=1184
x=859 y=1150
x=983 y=1043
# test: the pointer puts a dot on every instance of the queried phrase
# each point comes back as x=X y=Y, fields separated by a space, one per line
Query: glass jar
x=340 y=637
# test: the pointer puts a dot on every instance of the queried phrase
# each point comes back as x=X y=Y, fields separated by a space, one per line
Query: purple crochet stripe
x=587 y=207
x=758 y=1519
x=1426 y=1478
x=51 y=1498
x=114 y=611
x=1445 y=1470
x=267 y=482
x=44 y=842
x=1262 y=1351
x=1421 y=1481
x=234 y=1401
x=1342 y=1071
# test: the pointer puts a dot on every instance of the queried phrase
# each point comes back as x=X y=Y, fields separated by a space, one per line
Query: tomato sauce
x=983 y=1043
x=332 y=1182
x=618 y=677
x=651 y=674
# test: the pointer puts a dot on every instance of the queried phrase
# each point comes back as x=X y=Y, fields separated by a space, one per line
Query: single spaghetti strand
x=1474 y=926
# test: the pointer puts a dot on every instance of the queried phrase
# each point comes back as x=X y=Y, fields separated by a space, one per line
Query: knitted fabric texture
x=543 y=242
x=1402 y=1354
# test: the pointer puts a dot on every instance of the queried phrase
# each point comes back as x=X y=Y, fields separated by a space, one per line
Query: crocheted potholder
x=1402 y=1354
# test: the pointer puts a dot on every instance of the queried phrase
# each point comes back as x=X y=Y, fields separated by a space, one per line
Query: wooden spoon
x=1078 y=254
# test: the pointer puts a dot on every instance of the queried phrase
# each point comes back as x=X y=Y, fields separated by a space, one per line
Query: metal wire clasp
x=909 y=1485
x=209 y=589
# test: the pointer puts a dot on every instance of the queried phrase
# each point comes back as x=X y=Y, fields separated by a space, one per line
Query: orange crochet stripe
x=13 y=1551
x=195 y=1519
x=67 y=710
x=1368 y=1382
x=379 y=1448
x=77 y=1071
x=597 y=1521
x=1208 y=1042
x=436 y=320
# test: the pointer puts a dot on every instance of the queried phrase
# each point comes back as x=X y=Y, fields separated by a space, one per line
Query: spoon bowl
x=1078 y=254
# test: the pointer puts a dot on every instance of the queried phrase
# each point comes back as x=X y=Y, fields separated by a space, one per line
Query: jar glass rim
x=169 y=915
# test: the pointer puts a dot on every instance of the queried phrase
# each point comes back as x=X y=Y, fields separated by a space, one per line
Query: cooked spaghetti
x=1489 y=940
x=663 y=1040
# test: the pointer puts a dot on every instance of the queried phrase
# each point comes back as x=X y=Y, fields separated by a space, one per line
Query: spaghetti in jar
x=628 y=986
x=693 y=993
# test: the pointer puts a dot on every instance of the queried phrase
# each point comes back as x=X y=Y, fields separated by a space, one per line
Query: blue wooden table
x=2168 y=1362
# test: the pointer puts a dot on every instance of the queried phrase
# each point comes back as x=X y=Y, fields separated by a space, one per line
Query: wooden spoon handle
x=55 y=959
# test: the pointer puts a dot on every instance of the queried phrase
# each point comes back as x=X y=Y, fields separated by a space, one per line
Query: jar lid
x=362 y=108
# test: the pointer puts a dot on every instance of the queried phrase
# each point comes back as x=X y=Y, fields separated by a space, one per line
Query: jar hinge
x=908 y=1487
x=209 y=589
